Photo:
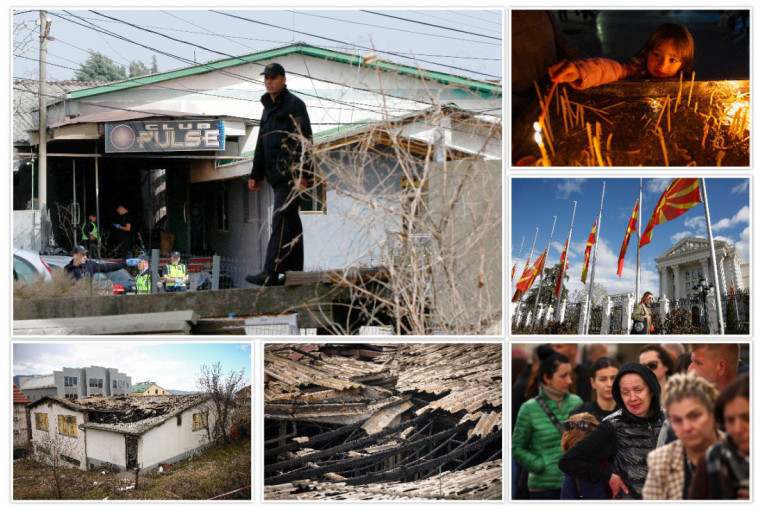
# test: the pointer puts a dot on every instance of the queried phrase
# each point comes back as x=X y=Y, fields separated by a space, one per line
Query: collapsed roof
x=382 y=418
x=132 y=415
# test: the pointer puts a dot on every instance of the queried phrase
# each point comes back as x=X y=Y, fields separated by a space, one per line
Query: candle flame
x=537 y=128
x=538 y=138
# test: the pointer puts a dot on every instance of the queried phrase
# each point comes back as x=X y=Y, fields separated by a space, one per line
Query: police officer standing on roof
x=282 y=159
x=80 y=266
x=176 y=276
x=143 y=278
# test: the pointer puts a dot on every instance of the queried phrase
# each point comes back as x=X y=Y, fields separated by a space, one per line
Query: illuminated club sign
x=165 y=136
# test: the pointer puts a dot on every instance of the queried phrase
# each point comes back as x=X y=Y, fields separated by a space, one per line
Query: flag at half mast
x=527 y=280
x=677 y=199
x=590 y=243
x=631 y=229
x=562 y=270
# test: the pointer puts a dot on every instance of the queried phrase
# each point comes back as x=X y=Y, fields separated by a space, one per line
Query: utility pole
x=42 y=151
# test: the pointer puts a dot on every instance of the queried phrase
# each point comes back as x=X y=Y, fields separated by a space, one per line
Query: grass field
x=218 y=471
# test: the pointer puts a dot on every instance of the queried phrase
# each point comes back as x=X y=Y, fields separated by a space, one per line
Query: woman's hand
x=563 y=72
x=616 y=484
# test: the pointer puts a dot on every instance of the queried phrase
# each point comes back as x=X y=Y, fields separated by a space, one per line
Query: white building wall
x=170 y=442
x=69 y=446
x=19 y=424
x=105 y=447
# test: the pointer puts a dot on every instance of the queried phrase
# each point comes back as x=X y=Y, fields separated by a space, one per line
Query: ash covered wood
x=441 y=410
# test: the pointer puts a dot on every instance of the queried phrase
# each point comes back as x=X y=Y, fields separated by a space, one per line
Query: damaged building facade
x=383 y=421
x=127 y=432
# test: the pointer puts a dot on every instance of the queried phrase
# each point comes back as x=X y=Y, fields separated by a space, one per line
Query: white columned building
x=682 y=266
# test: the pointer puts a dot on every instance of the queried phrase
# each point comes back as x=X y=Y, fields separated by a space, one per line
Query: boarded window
x=41 y=421
x=199 y=421
x=67 y=425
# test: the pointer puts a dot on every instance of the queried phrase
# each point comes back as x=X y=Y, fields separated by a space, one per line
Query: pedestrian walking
x=689 y=403
x=623 y=438
x=537 y=435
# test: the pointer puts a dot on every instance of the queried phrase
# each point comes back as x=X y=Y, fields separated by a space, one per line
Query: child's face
x=664 y=60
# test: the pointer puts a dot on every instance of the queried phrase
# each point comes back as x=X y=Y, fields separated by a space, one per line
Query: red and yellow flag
x=561 y=270
x=590 y=242
x=677 y=199
x=527 y=280
x=631 y=229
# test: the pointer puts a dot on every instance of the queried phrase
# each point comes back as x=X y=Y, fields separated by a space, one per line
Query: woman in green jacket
x=537 y=433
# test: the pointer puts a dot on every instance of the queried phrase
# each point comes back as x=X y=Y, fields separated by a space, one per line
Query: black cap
x=143 y=257
x=273 y=69
x=80 y=249
x=176 y=254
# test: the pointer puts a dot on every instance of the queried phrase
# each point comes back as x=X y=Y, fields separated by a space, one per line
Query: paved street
x=720 y=54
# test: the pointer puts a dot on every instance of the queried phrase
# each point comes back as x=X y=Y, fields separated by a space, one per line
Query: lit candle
x=693 y=77
x=742 y=124
x=608 y=143
x=538 y=139
x=679 y=91
x=663 y=147
x=706 y=132
x=695 y=106
x=661 y=113
x=589 y=137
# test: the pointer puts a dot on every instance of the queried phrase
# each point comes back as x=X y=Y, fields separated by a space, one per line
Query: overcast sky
x=468 y=41
x=170 y=365
x=536 y=201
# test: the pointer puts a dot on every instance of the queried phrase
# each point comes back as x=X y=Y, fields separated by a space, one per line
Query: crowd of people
x=669 y=423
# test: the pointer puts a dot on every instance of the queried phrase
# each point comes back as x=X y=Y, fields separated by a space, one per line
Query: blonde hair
x=571 y=437
x=682 y=386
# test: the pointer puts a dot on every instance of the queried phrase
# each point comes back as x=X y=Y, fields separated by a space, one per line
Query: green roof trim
x=302 y=48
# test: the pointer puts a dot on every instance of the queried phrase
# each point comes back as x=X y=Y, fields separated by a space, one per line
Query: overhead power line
x=432 y=25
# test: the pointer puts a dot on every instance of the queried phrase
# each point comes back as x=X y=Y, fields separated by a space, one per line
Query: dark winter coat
x=279 y=148
x=89 y=268
x=622 y=439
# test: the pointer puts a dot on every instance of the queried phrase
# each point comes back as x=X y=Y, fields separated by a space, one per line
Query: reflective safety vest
x=89 y=228
x=143 y=283
x=179 y=272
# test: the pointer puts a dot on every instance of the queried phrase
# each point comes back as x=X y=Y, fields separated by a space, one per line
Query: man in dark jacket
x=282 y=159
x=80 y=266
x=624 y=438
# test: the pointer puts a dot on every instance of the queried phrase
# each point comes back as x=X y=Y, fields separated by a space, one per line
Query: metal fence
x=615 y=321
x=736 y=312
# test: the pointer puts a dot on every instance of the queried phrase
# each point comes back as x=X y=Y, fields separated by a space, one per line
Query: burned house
x=127 y=432
x=383 y=421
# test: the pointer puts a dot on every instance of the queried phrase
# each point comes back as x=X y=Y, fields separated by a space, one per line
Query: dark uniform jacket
x=279 y=148
x=89 y=268
x=622 y=439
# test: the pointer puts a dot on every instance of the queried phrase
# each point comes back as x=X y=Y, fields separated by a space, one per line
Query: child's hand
x=563 y=72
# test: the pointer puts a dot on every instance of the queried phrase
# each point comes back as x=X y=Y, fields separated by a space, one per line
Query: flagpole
x=512 y=278
x=639 y=229
x=714 y=257
x=594 y=258
x=542 y=277
x=565 y=261
x=531 y=256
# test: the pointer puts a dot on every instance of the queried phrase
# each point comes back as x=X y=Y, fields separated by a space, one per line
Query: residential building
x=244 y=396
x=128 y=432
x=74 y=383
x=148 y=388
x=20 y=418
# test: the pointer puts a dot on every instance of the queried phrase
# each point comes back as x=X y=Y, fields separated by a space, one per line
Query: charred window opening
x=371 y=414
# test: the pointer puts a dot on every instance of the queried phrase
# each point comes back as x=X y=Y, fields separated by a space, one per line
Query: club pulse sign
x=164 y=136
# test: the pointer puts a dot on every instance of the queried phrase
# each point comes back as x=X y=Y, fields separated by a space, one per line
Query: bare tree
x=222 y=387
x=429 y=217
x=55 y=451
